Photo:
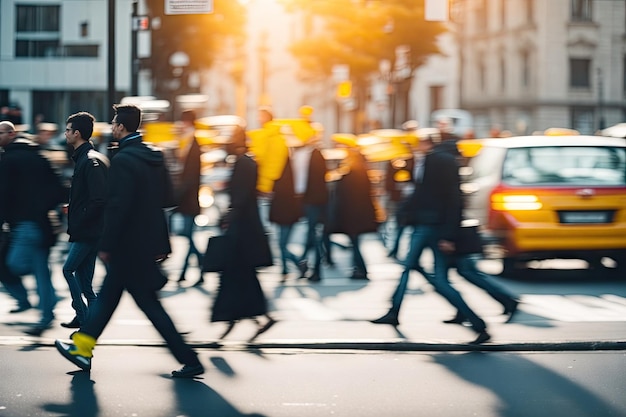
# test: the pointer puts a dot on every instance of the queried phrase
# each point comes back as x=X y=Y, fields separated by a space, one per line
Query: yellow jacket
x=270 y=152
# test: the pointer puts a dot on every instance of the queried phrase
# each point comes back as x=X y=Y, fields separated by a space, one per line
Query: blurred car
x=548 y=197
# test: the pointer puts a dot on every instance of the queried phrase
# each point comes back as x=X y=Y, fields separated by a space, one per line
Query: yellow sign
x=344 y=89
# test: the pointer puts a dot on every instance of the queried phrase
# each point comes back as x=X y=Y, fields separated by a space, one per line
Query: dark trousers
x=147 y=300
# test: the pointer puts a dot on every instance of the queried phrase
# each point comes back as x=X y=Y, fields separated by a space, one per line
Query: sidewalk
x=332 y=315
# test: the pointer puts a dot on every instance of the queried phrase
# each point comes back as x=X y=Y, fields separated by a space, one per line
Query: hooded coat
x=135 y=229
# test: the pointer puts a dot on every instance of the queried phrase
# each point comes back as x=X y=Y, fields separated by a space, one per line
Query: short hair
x=188 y=116
x=10 y=126
x=128 y=115
x=83 y=122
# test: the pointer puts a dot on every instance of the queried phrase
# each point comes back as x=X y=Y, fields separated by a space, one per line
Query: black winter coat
x=437 y=200
x=135 y=229
x=29 y=187
x=286 y=208
x=85 y=217
x=189 y=184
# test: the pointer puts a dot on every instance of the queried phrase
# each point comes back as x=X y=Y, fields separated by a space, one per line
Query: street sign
x=188 y=6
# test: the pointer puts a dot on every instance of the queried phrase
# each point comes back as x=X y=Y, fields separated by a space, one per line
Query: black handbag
x=218 y=254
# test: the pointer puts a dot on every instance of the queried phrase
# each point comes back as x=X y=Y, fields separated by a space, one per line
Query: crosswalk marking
x=576 y=308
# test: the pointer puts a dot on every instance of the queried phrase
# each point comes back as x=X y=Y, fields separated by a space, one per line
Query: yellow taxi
x=543 y=197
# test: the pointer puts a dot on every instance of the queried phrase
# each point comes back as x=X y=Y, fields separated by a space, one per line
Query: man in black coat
x=436 y=207
x=85 y=214
x=135 y=239
x=29 y=190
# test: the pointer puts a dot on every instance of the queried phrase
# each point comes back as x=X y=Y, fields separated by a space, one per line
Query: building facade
x=527 y=65
x=54 y=57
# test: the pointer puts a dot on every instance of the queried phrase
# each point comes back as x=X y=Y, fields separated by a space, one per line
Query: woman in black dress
x=239 y=294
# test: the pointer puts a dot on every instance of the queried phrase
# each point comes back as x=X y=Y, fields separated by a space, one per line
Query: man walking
x=85 y=214
x=436 y=204
x=135 y=239
x=29 y=189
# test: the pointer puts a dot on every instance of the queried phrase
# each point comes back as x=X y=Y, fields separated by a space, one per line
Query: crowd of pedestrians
x=116 y=212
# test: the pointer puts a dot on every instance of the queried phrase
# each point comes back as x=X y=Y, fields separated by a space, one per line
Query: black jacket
x=88 y=194
x=436 y=201
x=29 y=187
x=135 y=229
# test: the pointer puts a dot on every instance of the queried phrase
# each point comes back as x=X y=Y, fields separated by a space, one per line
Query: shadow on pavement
x=523 y=387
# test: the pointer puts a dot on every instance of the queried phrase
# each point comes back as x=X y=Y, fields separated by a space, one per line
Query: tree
x=202 y=37
x=362 y=34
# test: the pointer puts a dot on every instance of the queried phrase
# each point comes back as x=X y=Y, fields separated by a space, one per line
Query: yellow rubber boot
x=84 y=344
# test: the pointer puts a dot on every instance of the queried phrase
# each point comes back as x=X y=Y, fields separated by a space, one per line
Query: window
x=529 y=10
x=37 y=18
x=581 y=10
x=525 y=58
x=579 y=72
x=582 y=120
x=502 y=74
x=436 y=97
x=37 y=31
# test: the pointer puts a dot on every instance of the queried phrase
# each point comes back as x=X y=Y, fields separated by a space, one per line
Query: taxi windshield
x=565 y=165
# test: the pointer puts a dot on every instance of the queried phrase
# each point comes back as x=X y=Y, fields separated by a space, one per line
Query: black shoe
x=74 y=324
x=315 y=278
x=303 y=267
x=510 y=310
x=389 y=318
x=20 y=308
x=38 y=329
x=266 y=326
x=188 y=371
x=359 y=276
x=455 y=320
x=482 y=338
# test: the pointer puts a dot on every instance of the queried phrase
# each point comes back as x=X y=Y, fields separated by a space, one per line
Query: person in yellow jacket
x=270 y=153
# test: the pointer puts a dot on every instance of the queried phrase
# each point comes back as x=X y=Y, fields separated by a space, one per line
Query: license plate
x=585 y=217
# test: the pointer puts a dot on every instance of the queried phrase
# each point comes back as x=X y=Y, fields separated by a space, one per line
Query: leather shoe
x=315 y=278
x=481 y=338
x=38 y=329
x=188 y=371
x=303 y=267
x=389 y=318
x=74 y=324
x=510 y=310
x=455 y=320
x=21 y=308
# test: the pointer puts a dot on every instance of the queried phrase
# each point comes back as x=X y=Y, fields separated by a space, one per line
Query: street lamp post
x=111 y=58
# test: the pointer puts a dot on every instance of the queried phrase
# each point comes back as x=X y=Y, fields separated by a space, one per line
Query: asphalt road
x=562 y=355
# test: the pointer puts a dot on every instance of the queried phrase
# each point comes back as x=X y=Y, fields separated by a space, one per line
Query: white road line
x=573 y=308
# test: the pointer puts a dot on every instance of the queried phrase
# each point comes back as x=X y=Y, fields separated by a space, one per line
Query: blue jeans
x=284 y=232
x=313 y=215
x=28 y=254
x=467 y=268
x=357 y=258
x=428 y=236
x=188 y=226
x=78 y=271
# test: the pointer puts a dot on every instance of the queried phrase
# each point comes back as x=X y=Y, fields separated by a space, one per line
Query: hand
x=446 y=246
x=104 y=257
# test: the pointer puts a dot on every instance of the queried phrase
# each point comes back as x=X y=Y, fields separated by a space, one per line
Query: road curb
x=389 y=346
